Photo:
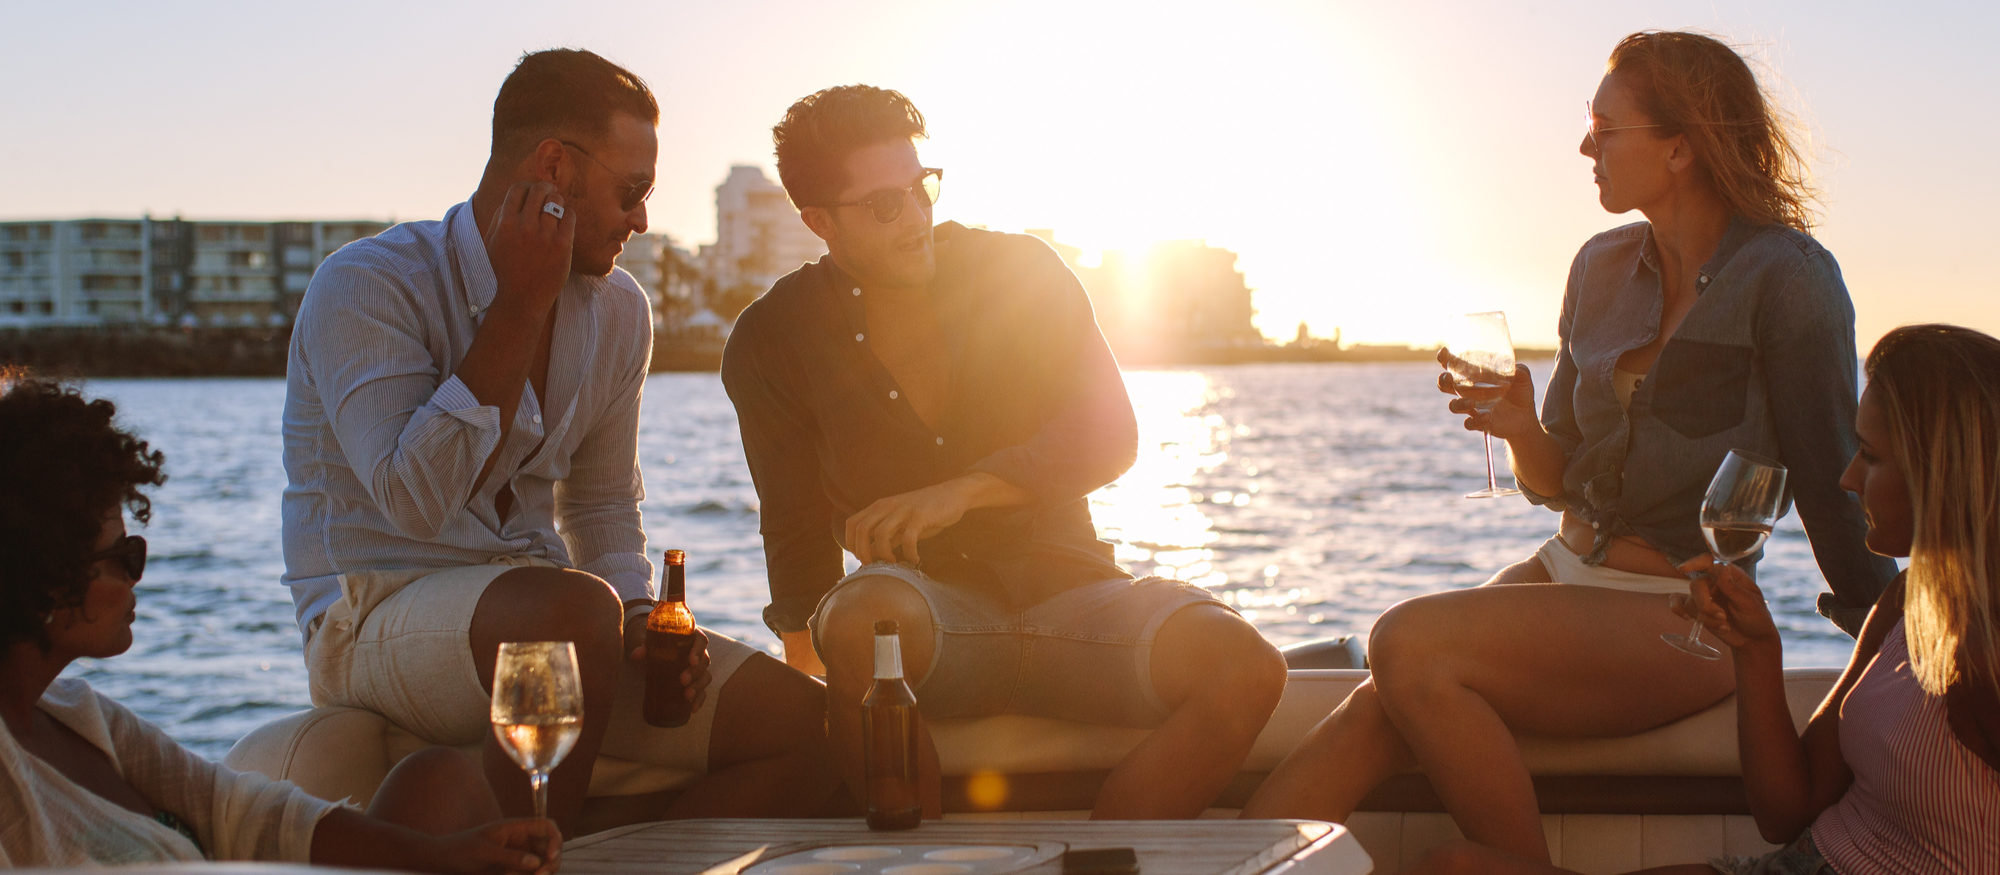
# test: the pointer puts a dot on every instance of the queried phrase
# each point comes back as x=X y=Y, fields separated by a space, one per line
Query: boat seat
x=1668 y=795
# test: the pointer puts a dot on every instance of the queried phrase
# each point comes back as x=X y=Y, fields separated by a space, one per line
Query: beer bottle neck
x=888 y=657
x=676 y=588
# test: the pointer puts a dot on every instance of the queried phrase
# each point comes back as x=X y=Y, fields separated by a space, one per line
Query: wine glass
x=1743 y=502
x=537 y=708
x=1480 y=356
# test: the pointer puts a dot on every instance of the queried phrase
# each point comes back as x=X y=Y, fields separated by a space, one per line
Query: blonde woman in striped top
x=1899 y=769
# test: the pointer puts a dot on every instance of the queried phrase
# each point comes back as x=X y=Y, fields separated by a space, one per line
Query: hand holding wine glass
x=1480 y=357
x=537 y=708
x=1737 y=514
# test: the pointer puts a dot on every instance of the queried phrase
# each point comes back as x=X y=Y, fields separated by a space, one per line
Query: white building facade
x=758 y=235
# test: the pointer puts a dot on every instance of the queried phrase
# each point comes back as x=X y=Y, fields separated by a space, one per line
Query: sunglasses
x=632 y=194
x=130 y=551
x=887 y=205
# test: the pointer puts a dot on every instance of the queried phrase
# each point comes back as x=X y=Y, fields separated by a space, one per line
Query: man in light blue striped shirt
x=460 y=434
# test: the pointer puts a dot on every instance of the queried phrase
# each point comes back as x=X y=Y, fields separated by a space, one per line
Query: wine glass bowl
x=1480 y=356
x=1743 y=502
x=537 y=708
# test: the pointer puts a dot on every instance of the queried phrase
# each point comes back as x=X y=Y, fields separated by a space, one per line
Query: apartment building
x=758 y=235
x=154 y=271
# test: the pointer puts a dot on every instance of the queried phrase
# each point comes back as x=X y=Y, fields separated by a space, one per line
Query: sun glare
x=1151 y=513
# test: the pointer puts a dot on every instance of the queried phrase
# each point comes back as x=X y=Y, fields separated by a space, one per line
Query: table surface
x=1163 y=847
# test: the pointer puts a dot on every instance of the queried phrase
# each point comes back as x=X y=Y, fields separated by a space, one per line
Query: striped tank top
x=1920 y=802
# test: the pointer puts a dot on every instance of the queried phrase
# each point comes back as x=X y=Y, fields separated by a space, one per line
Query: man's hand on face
x=889 y=529
x=530 y=247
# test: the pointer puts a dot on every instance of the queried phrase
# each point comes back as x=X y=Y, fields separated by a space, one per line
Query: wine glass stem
x=1492 y=485
x=538 y=781
x=1694 y=634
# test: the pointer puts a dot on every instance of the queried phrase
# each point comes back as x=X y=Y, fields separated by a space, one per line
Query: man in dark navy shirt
x=939 y=402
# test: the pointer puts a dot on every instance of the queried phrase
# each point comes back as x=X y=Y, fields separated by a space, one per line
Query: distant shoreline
x=144 y=351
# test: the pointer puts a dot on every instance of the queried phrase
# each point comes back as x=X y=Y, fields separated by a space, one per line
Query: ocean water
x=1310 y=496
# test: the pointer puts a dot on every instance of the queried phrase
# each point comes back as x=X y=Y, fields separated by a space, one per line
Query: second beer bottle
x=889 y=738
x=669 y=644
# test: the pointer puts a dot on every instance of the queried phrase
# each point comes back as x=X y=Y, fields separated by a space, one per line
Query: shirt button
x=538 y=419
x=892 y=395
x=940 y=442
x=859 y=337
x=857 y=293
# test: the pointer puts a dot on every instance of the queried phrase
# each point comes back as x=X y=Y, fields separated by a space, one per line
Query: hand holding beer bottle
x=671 y=639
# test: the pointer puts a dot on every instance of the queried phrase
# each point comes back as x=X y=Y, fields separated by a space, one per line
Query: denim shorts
x=1800 y=857
x=1084 y=654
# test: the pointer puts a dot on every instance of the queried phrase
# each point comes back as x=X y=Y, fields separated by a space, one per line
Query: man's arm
x=597 y=502
x=780 y=442
x=420 y=442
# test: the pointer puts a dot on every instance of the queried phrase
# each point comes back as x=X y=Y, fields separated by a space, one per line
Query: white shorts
x=1565 y=566
x=396 y=643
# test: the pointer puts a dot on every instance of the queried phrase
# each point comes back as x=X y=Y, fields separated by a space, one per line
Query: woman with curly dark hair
x=83 y=780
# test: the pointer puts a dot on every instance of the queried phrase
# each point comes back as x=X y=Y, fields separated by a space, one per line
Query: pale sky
x=1378 y=166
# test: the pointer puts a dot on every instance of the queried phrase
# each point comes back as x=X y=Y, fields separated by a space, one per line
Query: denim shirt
x=1764 y=361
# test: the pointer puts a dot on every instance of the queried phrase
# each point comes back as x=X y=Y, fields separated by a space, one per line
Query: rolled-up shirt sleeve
x=1805 y=338
x=598 y=502
x=1090 y=436
x=416 y=439
x=794 y=515
x=1559 y=394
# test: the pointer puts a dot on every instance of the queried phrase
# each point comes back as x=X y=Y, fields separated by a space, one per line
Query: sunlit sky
x=1378 y=166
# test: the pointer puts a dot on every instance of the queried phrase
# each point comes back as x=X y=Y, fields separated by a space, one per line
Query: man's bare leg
x=1220 y=681
x=551 y=604
x=847 y=632
x=767 y=754
x=436 y=790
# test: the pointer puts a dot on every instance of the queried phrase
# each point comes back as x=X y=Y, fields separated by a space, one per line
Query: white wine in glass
x=537 y=708
x=1480 y=356
x=1742 y=504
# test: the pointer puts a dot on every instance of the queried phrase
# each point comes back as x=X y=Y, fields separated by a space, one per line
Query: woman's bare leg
x=1459 y=673
x=1355 y=748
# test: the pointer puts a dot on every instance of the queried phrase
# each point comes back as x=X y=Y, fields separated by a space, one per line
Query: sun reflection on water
x=1153 y=513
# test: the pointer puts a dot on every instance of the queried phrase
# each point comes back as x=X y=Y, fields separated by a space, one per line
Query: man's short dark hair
x=565 y=93
x=820 y=130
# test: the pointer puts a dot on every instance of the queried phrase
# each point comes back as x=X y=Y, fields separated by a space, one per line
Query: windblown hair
x=565 y=93
x=823 y=128
x=63 y=467
x=1693 y=85
x=1939 y=387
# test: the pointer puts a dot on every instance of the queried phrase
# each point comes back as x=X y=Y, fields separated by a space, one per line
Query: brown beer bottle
x=669 y=644
x=889 y=738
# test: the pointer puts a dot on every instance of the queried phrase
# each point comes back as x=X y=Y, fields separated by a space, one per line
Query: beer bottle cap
x=885 y=627
x=677 y=557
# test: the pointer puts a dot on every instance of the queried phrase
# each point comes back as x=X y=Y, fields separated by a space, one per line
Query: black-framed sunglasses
x=635 y=192
x=887 y=205
x=130 y=551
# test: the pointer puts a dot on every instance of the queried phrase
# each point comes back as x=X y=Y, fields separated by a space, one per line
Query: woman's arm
x=1789 y=778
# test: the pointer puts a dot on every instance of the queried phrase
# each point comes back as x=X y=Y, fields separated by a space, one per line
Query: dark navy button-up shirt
x=1764 y=361
x=1036 y=399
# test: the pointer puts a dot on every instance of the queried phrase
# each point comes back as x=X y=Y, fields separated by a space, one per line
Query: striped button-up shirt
x=383 y=443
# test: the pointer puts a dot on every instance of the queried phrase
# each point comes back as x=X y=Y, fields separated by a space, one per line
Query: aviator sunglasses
x=887 y=205
x=632 y=194
x=130 y=551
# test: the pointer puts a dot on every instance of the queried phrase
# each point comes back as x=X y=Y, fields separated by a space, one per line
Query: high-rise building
x=758 y=235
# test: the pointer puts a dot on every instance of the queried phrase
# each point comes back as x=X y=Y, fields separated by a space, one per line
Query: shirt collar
x=469 y=251
x=1739 y=232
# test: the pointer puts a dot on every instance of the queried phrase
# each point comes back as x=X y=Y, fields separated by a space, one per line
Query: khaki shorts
x=396 y=643
x=1565 y=566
